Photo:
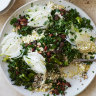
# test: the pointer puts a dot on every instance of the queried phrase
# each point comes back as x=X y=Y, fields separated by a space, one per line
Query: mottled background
x=89 y=6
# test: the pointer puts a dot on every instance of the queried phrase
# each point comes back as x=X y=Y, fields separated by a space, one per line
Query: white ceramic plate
x=77 y=86
x=6 y=6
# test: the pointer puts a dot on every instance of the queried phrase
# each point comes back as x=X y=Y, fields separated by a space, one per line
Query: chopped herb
x=23 y=75
x=31 y=4
x=92 y=38
x=77 y=88
x=40 y=31
x=72 y=40
x=5 y=34
x=80 y=30
x=44 y=7
x=27 y=16
x=13 y=21
x=75 y=36
x=72 y=33
x=25 y=30
x=92 y=71
x=46 y=22
x=35 y=10
x=32 y=19
x=91 y=57
x=79 y=19
x=46 y=95
x=68 y=6
x=48 y=81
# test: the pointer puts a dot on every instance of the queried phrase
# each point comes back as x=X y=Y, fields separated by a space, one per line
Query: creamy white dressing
x=36 y=61
x=11 y=45
x=39 y=15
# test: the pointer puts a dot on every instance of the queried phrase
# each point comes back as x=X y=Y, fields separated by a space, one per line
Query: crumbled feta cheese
x=55 y=6
x=31 y=38
x=86 y=47
x=41 y=49
x=58 y=13
x=39 y=44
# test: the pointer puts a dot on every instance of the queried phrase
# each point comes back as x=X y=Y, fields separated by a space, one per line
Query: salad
x=46 y=39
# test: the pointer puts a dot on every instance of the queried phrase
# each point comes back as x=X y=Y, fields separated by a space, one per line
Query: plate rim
x=14 y=13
